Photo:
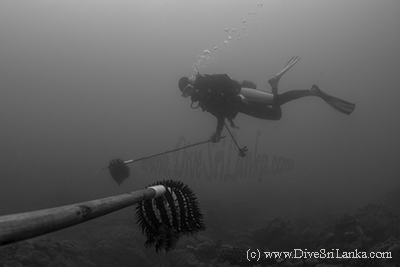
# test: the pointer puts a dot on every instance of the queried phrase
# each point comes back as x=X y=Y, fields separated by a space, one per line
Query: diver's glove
x=242 y=151
x=215 y=138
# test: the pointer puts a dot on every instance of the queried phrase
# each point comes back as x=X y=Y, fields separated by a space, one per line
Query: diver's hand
x=215 y=138
x=233 y=124
x=242 y=151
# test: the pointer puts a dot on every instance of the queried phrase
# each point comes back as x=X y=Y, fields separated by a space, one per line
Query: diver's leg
x=252 y=94
x=261 y=111
x=260 y=104
x=274 y=81
x=257 y=96
x=273 y=102
x=292 y=95
x=268 y=106
x=266 y=98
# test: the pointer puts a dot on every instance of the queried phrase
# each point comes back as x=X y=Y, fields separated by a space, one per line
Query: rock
x=356 y=245
x=348 y=236
x=83 y=262
x=191 y=248
x=12 y=263
x=329 y=238
x=294 y=263
x=328 y=265
x=278 y=234
x=52 y=253
x=24 y=254
x=45 y=252
x=378 y=221
x=55 y=264
x=395 y=248
x=4 y=258
x=186 y=241
x=311 y=262
x=395 y=251
x=192 y=262
x=40 y=258
x=205 y=247
x=342 y=259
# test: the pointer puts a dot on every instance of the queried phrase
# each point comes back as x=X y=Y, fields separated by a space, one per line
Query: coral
x=186 y=241
x=45 y=252
x=109 y=253
x=40 y=258
x=233 y=255
x=238 y=256
x=179 y=258
x=204 y=250
x=294 y=263
x=356 y=231
x=123 y=234
x=117 y=245
x=311 y=262
x=392 y=246
x=279 y=234
x=360 y=229
x=12 y=263
x=378 y=221
x=370 y=228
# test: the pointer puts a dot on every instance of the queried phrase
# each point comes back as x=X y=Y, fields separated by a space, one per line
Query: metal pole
x=21 y=226
x=169 y=151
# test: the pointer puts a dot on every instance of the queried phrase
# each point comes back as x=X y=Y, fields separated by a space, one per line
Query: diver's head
x=186 y=87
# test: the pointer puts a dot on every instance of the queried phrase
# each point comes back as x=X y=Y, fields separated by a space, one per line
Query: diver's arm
x=220 y=125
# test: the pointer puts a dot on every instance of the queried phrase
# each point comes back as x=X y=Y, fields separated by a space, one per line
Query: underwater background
x=84 y=82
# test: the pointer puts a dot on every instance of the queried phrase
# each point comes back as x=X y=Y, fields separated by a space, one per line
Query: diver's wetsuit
x=218 y=94
x=225 y=98
x=271 y=111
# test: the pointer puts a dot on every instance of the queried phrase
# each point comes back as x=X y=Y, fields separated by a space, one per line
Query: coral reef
x=233 y=255
x=44 y=253
x=279 y=234
x=238 y=256
x=117 y=245
x=116 y=241
x=361 y=229
x=378 y=221
x=110 y=254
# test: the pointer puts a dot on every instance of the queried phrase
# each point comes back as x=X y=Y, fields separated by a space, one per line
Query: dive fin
x=274 y=81
x=335 y=102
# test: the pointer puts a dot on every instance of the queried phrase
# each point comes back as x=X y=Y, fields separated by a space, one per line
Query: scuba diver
x=224 y=97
